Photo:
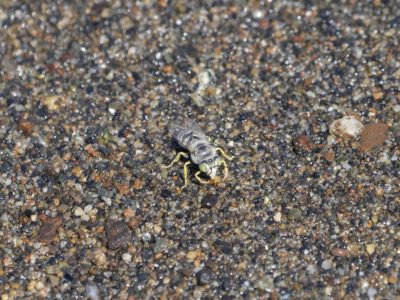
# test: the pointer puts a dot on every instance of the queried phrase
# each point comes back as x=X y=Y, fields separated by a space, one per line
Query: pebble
x=339 y=252
x=326 y=264
x=205 y=276
x=146 y=237
x=373 y=135
x=278 y=217
x=295 y=214
x=98 y=257
x=92 y=292
x=266 y=284
x=86 y=124
x=4 y=218
x=78 y=212
x=371 y=248
x=371 y=293
x=49 y=228
x=303 y=143
x=117 y=233
x=127 y=257
x=348 y=126
x=209 y=201
x=161 y=245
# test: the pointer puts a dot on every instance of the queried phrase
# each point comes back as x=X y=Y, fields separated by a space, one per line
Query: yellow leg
x=185 y=174
x=224 y=154
x=225 y=169
x=176 y=159
x=200 y=179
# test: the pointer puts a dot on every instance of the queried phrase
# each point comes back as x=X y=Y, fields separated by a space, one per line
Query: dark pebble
x=166 y=194
x=209 y=201
x=5 y=167
x=117 y=233
x=49 y=228
x=205 y=276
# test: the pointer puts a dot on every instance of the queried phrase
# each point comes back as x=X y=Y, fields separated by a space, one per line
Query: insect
x=201 y=152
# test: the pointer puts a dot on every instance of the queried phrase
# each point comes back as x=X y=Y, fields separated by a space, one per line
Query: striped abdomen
x=197 y=144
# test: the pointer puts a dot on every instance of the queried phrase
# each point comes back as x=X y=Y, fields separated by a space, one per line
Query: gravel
x=87 y=93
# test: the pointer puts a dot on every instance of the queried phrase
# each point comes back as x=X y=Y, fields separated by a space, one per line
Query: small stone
x=52 y=102
x=303 y=143
x=92 y=292
x=371 y=293
x=392 y=279
x=209 y=201
x=347 y=127
x=326 y=264
x=25 y=125
x=98 y=257
x=78 y=211
x=205 y=77
x=205 y=276
x=192 y=255
x=329 y=155
x=339 y=252
x=161 y=245
x=127 y=257
x=373 y=135
x=157 y=228
x=5 y=167
x=146 y=237
x=371 y=248
x=278 y=217
x=123 y=188
x=353 y=249
x=49 y=228
x=85 y=218
x=137 y=184
x=54 y=280
x=295 y=214
x=129 y=213
x=88 y=208
x=117 y=233
x=4 y=218
x=377 y=95
x=266 y=283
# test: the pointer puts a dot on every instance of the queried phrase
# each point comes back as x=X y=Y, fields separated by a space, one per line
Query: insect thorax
x=205 y=153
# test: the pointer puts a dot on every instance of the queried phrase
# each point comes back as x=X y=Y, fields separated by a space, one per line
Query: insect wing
x=187 y=125
x=193 y=126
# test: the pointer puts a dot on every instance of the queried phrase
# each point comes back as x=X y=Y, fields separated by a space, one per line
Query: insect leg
x=200 y=179
x=224 y=154
x=225 y=169
x=185 y=174
x=176 y=159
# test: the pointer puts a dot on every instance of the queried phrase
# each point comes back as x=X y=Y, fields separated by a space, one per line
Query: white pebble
x=326 y=264
x=4 y=218
x=78 y=212
x=85 y=217
x=348 y=126
x=92 y=292
x=278 y=216
x=88 y=208
x=371 y=293
x=127 y=257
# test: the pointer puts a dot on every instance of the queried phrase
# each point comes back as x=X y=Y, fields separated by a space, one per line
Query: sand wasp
x=200 y=151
